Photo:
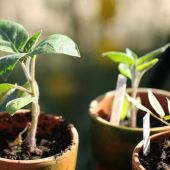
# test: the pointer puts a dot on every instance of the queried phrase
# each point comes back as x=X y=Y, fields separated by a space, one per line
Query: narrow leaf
x=5 y=89
x=137 y=104
x=166 y=118
x=125 y=109
x=125 y=70
x=22 y=93
x=155 y=104
x=17 y=104
x=57 y=44
x=7 y=64
x=13 y=36
x=168 y=101
x=146 y=66
x=119 y=57
x=32 y=42
x=152 y=54
x=131 y=53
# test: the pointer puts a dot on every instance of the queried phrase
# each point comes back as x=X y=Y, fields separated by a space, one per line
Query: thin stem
x=166 y=123
x=26 y=71
x=23 y=89
x=135 y=84
x=31 y=137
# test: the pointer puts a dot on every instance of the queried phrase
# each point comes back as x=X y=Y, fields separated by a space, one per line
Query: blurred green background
x=68 y=85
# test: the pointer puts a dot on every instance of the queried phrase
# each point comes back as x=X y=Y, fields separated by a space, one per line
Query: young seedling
x=134 y=67
x=24 y=50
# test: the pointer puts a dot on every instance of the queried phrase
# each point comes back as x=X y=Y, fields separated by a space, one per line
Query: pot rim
x=139 y=146
x=98 y=119
x=75 y=141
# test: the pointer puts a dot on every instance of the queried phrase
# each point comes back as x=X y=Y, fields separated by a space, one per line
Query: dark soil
x=47 y=145
x=158 y=158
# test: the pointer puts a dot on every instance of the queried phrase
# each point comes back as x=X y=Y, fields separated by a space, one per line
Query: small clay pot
x=63 y=161
x=112 y=146
x=157 y=138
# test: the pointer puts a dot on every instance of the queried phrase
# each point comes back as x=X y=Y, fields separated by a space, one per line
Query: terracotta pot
x=62 y=161
x=158 y=138
x=112 y=146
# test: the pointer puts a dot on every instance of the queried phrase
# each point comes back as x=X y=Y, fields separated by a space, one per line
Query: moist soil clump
x=158 y=158
x=47 y=145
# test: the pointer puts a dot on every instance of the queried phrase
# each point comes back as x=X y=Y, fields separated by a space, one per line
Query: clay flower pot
x=157 y=138
x=112 y=146
x=62 y=161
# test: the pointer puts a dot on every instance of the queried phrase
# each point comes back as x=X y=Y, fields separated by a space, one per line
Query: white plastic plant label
x=118 y=100
x=146 y=134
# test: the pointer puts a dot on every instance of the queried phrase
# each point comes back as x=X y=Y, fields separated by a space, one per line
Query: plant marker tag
x=146 y=134
x=118 y=100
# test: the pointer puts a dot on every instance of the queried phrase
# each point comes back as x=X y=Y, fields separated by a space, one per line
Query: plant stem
x=26 y=71
x=31 y=137
x=135 y=85
x=23 y=89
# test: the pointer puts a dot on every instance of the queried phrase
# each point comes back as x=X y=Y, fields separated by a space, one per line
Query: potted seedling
x=152 y=153
x=114 y=127
x=30 y=140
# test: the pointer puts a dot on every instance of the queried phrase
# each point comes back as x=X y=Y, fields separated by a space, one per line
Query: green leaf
x=146 y=66
x=57 y=44
x=166 y=118
x=131 y=53
x=22 y=93
x=137 y=104
x=7 y=64
x=125 y=109
x=119 y=57
x=17 y=104
x=13 y=36
x=5 y=90
x=155 y=104
x=32 y=42
x=152 y=54
x=125 y=70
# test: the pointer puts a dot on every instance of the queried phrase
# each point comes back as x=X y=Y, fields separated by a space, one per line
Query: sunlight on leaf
x=57 y=44
x=16 y=104
x=125 y=70
x=155 y=104
x=119 y=57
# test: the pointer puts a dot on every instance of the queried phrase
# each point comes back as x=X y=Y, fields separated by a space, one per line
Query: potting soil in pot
x=158 y=158
x=47 y=145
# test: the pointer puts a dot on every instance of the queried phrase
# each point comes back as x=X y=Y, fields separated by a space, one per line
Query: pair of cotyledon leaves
x=129 y=60
x=15 y=39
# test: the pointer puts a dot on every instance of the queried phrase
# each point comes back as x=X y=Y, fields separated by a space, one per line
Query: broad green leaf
x=125 y=70
x=152 y=54
x=146 y=66
x=32 y=42
x=119 y=57
x=125 y=109
x=5 y=89
x=168 y=101
x=155 y=104
x=13 y=36
x=131 y=53
x=7 y=64
x=137 y=104
x=57 y=44
x=22 y=93
x=16 y=104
